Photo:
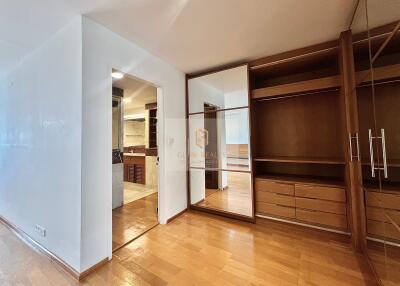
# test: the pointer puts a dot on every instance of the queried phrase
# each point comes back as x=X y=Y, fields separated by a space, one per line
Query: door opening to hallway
x=135 y=158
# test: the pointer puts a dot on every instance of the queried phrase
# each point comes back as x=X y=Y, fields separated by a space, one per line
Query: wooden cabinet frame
x=347 y=80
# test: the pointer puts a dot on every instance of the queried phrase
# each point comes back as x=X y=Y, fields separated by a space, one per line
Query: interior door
x=386 y=93
x=220 y=175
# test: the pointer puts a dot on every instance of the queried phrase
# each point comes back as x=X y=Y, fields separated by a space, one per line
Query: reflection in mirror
x=116 y=123
x=220 y=140
x=378 y=103
x=231 y=192
x=222 y=90
x=219 y=148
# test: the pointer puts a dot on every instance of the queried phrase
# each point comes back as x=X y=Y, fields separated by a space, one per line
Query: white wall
x=40 y=144
x=102 y=51
x=134 y=133
x=201 y=92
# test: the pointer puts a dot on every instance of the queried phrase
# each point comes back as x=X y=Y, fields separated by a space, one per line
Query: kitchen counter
x=135 y=154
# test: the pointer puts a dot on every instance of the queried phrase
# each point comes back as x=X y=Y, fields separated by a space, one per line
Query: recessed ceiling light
x=117 y=75
x=127 y=100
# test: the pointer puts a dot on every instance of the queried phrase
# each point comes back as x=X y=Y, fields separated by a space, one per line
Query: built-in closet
x=325 y=136
x=299 y=162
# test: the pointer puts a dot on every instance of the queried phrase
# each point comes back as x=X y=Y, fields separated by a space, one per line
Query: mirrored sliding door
x=219 y=143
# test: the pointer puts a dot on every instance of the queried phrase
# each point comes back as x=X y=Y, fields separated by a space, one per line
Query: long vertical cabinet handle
x=371 y=152
x=385 y=172
x=358 y=147
x=351 y=147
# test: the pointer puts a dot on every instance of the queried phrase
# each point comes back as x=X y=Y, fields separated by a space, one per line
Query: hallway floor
x=200 y=249
x=133 y=192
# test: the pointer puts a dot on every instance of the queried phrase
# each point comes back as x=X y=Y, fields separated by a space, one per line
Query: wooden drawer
x=384 y=200
x=379 y=214
x=273 y=198
x=321 y=218
x=134 y=159
x=275 y=210
x=321 y=205
x=274 y=187
x=320 y=192
x=382 y=230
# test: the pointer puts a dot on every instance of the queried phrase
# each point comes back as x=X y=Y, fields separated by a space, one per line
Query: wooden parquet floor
x=133 y=219
x=201 y=249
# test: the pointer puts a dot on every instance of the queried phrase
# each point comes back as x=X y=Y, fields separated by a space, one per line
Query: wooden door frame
x=353 y=176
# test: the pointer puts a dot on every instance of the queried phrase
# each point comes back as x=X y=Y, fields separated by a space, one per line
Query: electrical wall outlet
x=40 y=230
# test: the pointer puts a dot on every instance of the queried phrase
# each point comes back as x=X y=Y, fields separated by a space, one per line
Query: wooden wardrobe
x=325 y=141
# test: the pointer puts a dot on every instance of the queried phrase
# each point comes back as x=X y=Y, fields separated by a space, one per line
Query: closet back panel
x=302 y=126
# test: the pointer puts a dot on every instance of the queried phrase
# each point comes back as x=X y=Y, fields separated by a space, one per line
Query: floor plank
x=234 y=199
x=133 y=219
x=201 y=249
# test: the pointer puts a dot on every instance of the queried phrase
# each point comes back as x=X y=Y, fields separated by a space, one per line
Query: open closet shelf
x=296 y=87
x=387 y=187
x=381 y=73
x=314 y=180
x=390 y=163
x=301 y=160
x=320 y=84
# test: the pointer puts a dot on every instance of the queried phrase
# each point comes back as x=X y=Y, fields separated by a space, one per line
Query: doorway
x=135 y=159
x=211 y=148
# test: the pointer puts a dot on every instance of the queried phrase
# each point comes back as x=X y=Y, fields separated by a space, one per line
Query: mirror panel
x=223 y=90
x=219 y=142
x=385 y=56
x=233 y=194
x=116 y=123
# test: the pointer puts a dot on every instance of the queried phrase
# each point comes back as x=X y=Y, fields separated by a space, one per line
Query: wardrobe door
x=378 y=94
x=386 y=90
x=220 y=171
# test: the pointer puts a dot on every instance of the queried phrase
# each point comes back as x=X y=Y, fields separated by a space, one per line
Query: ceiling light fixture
x=117 y=75
x=127 y=100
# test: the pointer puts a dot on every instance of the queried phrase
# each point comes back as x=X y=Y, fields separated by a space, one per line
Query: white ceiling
x=139 y=93
x=192 y=35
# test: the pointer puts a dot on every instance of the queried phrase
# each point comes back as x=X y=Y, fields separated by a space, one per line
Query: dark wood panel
x=305 y=126
x=149 y=106
x=135 y=169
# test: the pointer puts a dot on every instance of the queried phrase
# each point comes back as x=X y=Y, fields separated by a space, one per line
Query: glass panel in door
x=383 y=81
